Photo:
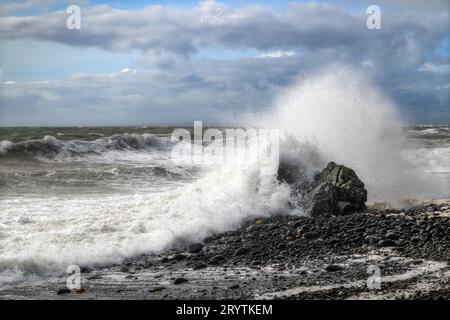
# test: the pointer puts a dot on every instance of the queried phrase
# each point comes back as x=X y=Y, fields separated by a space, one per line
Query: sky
x=151 y=62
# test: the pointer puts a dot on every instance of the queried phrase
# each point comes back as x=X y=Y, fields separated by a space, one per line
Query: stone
x=333 y=267
x=199 y=266
x=195 y=247
x=311 y=235
x=337 y=190
x=346 y=207
x=216 y=260
x=371 y=240
x=391 y=236
x=241 y=251
x=179 y=256
x=157 y=289
x=180 y=281
x=322 y=200
x=387 y=243
x=62 y=291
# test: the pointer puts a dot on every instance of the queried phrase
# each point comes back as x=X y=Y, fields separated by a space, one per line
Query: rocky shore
x=358 y=252
x=286 y=257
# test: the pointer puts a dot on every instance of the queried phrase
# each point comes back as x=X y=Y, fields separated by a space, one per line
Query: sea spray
x=338 y=114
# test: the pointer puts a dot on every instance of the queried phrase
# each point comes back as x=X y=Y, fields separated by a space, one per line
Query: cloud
x=128 y=70
x=435 y=68
x=182 y=31
x=277 y=54
x=174 y=85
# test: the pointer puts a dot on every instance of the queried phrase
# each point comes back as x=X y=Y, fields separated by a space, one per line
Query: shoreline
x=406 y=252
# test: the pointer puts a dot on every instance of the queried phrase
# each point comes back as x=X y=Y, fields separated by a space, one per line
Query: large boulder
x=336 y=190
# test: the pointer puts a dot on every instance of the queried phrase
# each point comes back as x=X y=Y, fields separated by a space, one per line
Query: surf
x=335 y=114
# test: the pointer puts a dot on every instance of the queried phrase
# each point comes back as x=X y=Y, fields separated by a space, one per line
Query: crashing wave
x=51 y=147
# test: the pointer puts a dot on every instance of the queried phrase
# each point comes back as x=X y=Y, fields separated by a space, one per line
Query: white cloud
x=435 y=68
x=128 y=70
x=174 y=83
x=277 y=54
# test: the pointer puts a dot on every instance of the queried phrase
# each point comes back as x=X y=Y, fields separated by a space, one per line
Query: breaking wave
x=51 y=147
x=338 y=114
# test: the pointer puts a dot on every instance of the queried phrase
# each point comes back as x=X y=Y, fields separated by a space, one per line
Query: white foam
x=89 y=230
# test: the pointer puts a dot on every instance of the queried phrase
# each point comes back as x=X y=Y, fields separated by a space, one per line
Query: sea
x=94 y=196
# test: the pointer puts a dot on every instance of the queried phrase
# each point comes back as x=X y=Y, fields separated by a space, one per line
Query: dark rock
x=179 y=256
x=195 y=247
x=85 y=269
x=387 y=243
x=157 y=289
x=234 y=286
x=311 y=235
x=391 y=236
x=241 y=251
x=216 y=260
x=210 y=238
x=371 y=240
x=295 y=224
x=63 y=291
x=333 y=267
x=346 y=207
x=337 y=190
x=180 y=281
x=322 y=200
x=199 y=266
x=271 y=226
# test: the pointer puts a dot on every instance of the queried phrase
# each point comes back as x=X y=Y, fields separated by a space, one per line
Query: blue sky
x=153 y=62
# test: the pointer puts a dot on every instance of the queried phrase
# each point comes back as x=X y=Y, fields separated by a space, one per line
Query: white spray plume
x=338 y=114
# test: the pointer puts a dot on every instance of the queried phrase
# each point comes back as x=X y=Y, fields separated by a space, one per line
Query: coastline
x=285 y=257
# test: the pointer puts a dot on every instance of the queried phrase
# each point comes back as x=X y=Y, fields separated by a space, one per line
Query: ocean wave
x=429 y=132
x=51 y=147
